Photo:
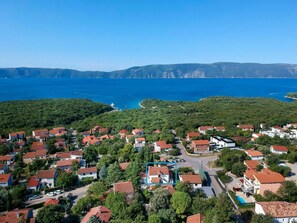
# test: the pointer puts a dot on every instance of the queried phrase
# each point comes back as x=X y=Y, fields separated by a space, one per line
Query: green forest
x=31 y=114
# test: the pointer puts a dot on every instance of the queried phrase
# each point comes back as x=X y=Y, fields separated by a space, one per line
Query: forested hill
x=32 y=114
x=215 y=70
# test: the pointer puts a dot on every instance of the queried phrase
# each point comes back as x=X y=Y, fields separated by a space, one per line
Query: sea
x=128 y=93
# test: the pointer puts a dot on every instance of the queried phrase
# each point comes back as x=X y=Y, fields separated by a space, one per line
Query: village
x=59 y=167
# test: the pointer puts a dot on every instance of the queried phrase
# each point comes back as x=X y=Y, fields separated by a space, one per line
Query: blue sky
x=117 y=34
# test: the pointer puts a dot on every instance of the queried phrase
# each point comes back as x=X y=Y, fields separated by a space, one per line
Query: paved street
x=201 y=162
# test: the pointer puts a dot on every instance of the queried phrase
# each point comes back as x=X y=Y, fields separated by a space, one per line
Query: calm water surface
x=127 y=93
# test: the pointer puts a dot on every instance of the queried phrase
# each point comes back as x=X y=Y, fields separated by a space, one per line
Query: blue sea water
x=127 y=93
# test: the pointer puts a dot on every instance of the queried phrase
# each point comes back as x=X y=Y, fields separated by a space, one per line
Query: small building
x=204 y=129
x=162 y=146
x=251 y=164
x=58 y=131
x=51 y=201
x=33 y=184
x=193 y=135
x=220 y=128
x=277 y=129
x=106 y=136
x=3 y=168
x=138 y=146
x=76 y=154
x=220 y=142
x=200 y=146
x=282 y=212
x=123 y=133
x=124 y=166
x=137 y=132
x=41 y=134
x=157 y=175
x=140 y=140
x=16 y=216
x=87 y=172
x=278 y=149
x=196 y=218
x=254 y=154
x=7 y=159
x=246 y=127
x=5 y=180
x=29 y=157
x=193 y=179
x=65 y=164
x=38 y=146
x=46 y=178
x=124 y=187
x=90 y=140
x=101 y=213
x=16 y=136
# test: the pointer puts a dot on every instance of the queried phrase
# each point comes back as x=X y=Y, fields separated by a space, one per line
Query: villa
x=193 y=135
x=246 y=127
x=220 y=142
x=162 y=146
x=158 y=175
x=101 y=213
x=87 y=172
x=193 y=179
x=278 y=149
x=254 y=154
x=200 y=146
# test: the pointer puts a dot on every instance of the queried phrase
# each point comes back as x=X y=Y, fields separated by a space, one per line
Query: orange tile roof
x=51 y=201
x=16 y=216
x=169 y=188
x=267 y=176
x=38 y=153
x=250 y=174
x=63 y=155
x=91 y=140
x=279 y=209
x=6 y=158
x=4 y=178
x=280 y=148
x=193 y=134
x=163 y=145
x=123 y=187
x=154 y=170
x=48 y=174
x=101 y=212
x=33 y=182
x=247 y=126
x=200 y=142
x=77 y=152
x=155 y=179
x=253 y=153
x=62 y=163
x=87 y=170
x=219 y=128
x=251 y=164
x=191 y=178
x=37 y=145
x=197 y=218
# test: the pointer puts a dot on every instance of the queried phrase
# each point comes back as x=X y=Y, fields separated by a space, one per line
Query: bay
x=127 y=93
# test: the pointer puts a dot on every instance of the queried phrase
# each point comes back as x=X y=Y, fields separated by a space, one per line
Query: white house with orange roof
x=47 y=178
x=162 y=146
x=158 y=174
x=5 y=180
x=193 y=135
x=90 y=140
x=275 y=149
x=251 y=164
x=200 y=146
x=193 y=179
x=254 y=154
x=139 y=140
x=204 y=129
x=282 y=212
x=87 y=172
x=137 y=132
x=196 y=218
x=246 y=127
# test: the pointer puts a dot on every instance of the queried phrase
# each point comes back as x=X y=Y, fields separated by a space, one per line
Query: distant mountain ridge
x=194 y=70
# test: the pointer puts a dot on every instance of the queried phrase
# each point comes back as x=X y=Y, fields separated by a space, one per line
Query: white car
x=51 y=194
x=58 y=191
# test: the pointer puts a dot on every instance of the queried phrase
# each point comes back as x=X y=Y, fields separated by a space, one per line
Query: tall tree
x=114 y=173
x=50 y=214
x=181 y=202
x=159 y=200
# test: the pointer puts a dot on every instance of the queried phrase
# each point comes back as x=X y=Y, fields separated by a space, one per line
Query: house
x=140 y=140
x=196 y=218
x=21 y=144
x=157 y=175
x=162 y=146
x=7 y=159
x=193 y=179
x=123 y=133
x=220 y=142
x=277 y=129
x=255 y=136
x=60 y=144
x=137 y=132
x=37 y=146
x=46 y=178
x=246 y=127
x=5 y=180
x=203 y=129
x=103 y=130
x=124 y=166
x=251 y=164
x=63 y=155
x=292 y=125
x=3 y=168
x=254 y=154
x=41 y=134
x=124 y=187
x=16 y=136
x=220 y=128
x=87 y=172
x=259 y=182
x=100 y=212
x=33 y=184
x=128 y=138
x=58 y=131
x=278 y=149
x=106 y=136
x=19 y=215
x=29 y=157
x=200 y=146
x=157 y=131
x=282 y=212
x=86 y=133
x=51 y=201
x=65 y=164
x=76 y=154
x=193 y=135
x=90 y=140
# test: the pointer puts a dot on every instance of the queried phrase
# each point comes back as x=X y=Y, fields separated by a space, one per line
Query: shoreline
x=292 y=98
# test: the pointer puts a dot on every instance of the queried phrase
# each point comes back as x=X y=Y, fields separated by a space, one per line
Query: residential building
x=193 y=179
x=37 y=146
x=124 y=187
x=254 y=154
x=90 y=140
x=16 y=136
x=196 y=218
x=33 y=184
x=140 y=140
x=123 y=133
x=220 y=128
x=101 y=212
x=106 y=136
x=162 y=146
x=204 y=129
x=282 y=212
x=220 y=142
x=157 y=175
x=76 y=154
x=7 y=159
x=46 y=178
x=3 y=168
x=137 y=132
x=251 y=164
x=51 y=201
x=138 y=146
x=5 y=180
x=124 y=166
x=16 y=216
x=58 y=131
x=41 y=134
x=29 y=157
x=65 y=164
x=278 y=149
x=246 y=127
x=193 y=135
x=87 y=172
x=200 y=146
x=277 y=129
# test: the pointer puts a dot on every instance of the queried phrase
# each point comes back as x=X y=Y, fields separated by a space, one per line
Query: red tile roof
x=17 y=216
x=87 y=170
x=280 y=148
x=4 y=178
x=6 y=158
x=251 y=164
x=163 y=145
x=200 y=142
x=123 y=187
x=192 y=179
x=154 y=170
x=205 y=128
x=37 y=145
x=48 y=174
x=247 y=126
x=63 y=163
x=267 y=176
x=193 y=134
x=101 y=212
x=219 y=128
x=77 y=152
x=279 y=209
x=253 y=153
x=63 y=155
x=197 y=218
x=90 y=140
x=33 y=182
x=51 y=201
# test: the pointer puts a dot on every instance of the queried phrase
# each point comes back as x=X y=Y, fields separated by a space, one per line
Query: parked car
x=34 y=197
x=51 y=194
x=58 y=191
